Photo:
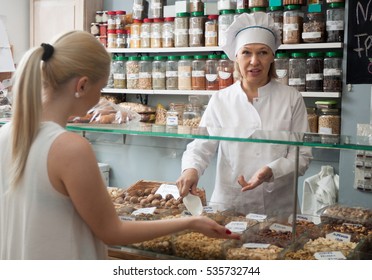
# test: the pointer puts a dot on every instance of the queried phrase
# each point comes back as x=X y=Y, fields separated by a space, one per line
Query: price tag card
x=256 y=245
x=335 y=255
x=237 y=227
x=165 y=189
x=126 y=218
x=256 y=217
x=279 y=227
x=353 y=225
x=339 y=236
x=209 y=209
x=148 y=210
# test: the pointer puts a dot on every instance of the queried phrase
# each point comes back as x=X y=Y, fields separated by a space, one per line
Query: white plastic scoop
x=193 y=204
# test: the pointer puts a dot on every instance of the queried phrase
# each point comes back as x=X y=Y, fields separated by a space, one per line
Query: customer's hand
x=264 y=174
x=212 y=229
x=188 y=182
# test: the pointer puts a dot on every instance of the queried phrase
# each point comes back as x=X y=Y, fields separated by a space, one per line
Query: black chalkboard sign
x=359 y=42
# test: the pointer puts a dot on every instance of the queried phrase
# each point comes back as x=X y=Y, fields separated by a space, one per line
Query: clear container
x=181 y=30
x=258 y=3
x=211 y=31
x=94 y=29
x=98 y=16
x=110 y=80
x=158 y=72
x=111 y=38
x=156 y=9
x=211 y=72
x=120 y=19
x=191 y=116
x=226 y=5
x=196 y=6
x=276 y=12
x=120 y=38
x=171 y=72
x=314 y=28
x=312 y=119
x=297 y=71
x=292 y=24
x=156 y=33
x=168 y=33
x=242 y=4
x=145 y=33
x=138 y=9
x=119 y=72
x=145 y=73
x=225 y=70
x=314 y=71
x=329 y=121
x=127 y=37
x=335 y=22
x=172 y=118
x=132 y=66
x=111 y=20
x=224 y=21
x=281 y=61
x=103 y=29
x=196 y=29
x=135 y=32
x=332 y=81
x=184 y=72
x=104 y=16
x=198 y=72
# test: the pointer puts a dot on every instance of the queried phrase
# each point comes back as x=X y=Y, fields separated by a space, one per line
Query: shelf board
x=321 y=94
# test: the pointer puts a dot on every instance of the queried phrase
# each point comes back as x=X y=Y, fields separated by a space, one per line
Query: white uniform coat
x=277 y=108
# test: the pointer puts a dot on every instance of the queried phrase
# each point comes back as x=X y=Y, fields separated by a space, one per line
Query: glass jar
x=258 y=3
x=111 y=20
x=120 y=19
x=132 y=66
x=181 y=30
x=198 y=72
x=118 y=72
x=196 y=29
x=314 y=71
x=110 y=80
x=156 y=33
x=171 y=73
x=120 y=38
x=103 y=29
x=335 y=22
x=292 y=24
x=127 y=37
x=242 y=4
x=168 y=33
x=297 y=71
x=276 y=12
x=98 y=17
x=135 y=32
x=158 y=72
x=94 y=29
x=145 y=73
x=156 y=9
x=226 y=5
x=138 y=9
x=329 y=121
x=225 y=70
x=211 y=73
x=184 y=72
x=224 y=21
x=332 y=81
x=312 y=119
x=172 y=119
x=111 y=38
x=196 y=6
x=104 y=16
x=281 y=61
x=145 y=33
x=211 y=31
x=191 y=116
x=314 y=28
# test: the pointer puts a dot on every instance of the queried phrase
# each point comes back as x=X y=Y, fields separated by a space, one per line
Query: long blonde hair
x=76 y=53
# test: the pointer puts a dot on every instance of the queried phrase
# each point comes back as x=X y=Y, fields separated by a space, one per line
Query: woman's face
x=254 y=62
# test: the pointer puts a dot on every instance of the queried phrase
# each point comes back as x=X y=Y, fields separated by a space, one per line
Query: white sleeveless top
x=36 y=221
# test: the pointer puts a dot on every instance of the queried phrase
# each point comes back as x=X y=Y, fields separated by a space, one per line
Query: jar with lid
x=127 y=38
x=156 y=33
x=191 y=115
x=120 y=19
x=224 y=21
x=172 y=119
x=312 y=119
x=120 y=38
x=225 y=70
x=111 y=20
x=156 y=9
x=314 y=28
x=132 y=67
x=198 y=72
x=276 y=12
x=292 y=24
x=98 y=17
x=138 y=9
x=181 y=30
x=135 y=32
x=211 y=31
x=211 y=73
x=281 y=61
x=103 y=29
x=314 y=71
x=242 y=4
x=110 y=80
x=226 y=5
x=118 y=71
x=184 y=72
x=158 y=72
x=171 y=72
x=105 y=16
x=329 y=121
x=297 y=71
x=145 y=72
x=196 y=6
x=332 y=81
x=196 y=29
x=168 y=33
x=94 y=29
x=145 y=33
x=294 y=2
x=335 y=22
x=111 y=38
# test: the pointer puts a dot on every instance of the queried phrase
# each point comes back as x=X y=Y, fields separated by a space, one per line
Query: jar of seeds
x=292 y=24
x=332 y=81
x=145 y=73
x=132 y=72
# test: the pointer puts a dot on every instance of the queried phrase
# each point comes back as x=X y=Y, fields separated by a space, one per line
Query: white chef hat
x=250 y=29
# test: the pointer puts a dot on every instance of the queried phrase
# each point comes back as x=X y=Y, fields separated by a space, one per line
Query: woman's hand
x=264 y=174
x=188 y=182
x=212 y=229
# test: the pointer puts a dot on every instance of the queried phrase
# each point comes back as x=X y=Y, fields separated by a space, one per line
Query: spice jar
x=224 y=21
x=292 y=24
x=191 y=116
x=172 y=119
x=110 y=80
x=132 y=66
x=145 y=73
x=332 y=81
x=104 y=16
x=103 y=29
x=156 y=33
x=297 y=71
x=196 y=29
x=156 y=9
x=211 y=73
x=135 y=32
x=313 y=28
x=138 y=9
x=258 y=3
x=171 y=73
x=111 y=20
x=281 y=61
x=127 y=38
x=120 y=19
x=276 y=12
x=158 y=72
x=196 y=6
x=181 y=30
x=120 y=38
x=184 y=72
x=145 y=33
x=94 y=29
x=242 y=4
x=98 y=16
x=335 y=22
x=118 y=71
x=211 y=31
x=329 y=121
x=314 y=71
x=168 y=33
x=312 y=119
x=225 y=70
x=111 y=38
x=198 y=72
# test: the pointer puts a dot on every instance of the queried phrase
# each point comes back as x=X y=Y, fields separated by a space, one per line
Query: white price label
x=339 y=236
x=256 y=245
x=209 y=209
x=126 y=218
x=237 y=227
x=279 y=227
x=165 y=189
x=148 y=210
x=336 y=255
x=257 y=217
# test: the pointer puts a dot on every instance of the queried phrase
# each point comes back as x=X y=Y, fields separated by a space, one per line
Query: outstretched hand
x=264 y=174
x=212 y=229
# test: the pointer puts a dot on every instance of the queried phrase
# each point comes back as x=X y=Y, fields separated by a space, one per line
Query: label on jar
x=167 y=35
x=171 y=73
x=278 y=25
x=144 y=75
x=158 y=75
x=132 y=76
x=118 y=76
x=311 y=35
x=209 y=34
x=172 y=119
x=332 y=72
x=334 y=25
x=314 y=77
x=181 y=32
x=290 y=27
x=325 y=130
x=184 y=74
x=196 y=31
x=224 y=75
x=211 y=77
x=145 y=35
x=296 y=81
x=281 y=73
x=198 y=73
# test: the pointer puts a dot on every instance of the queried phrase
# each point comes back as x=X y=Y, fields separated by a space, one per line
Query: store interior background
x=158 y=159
